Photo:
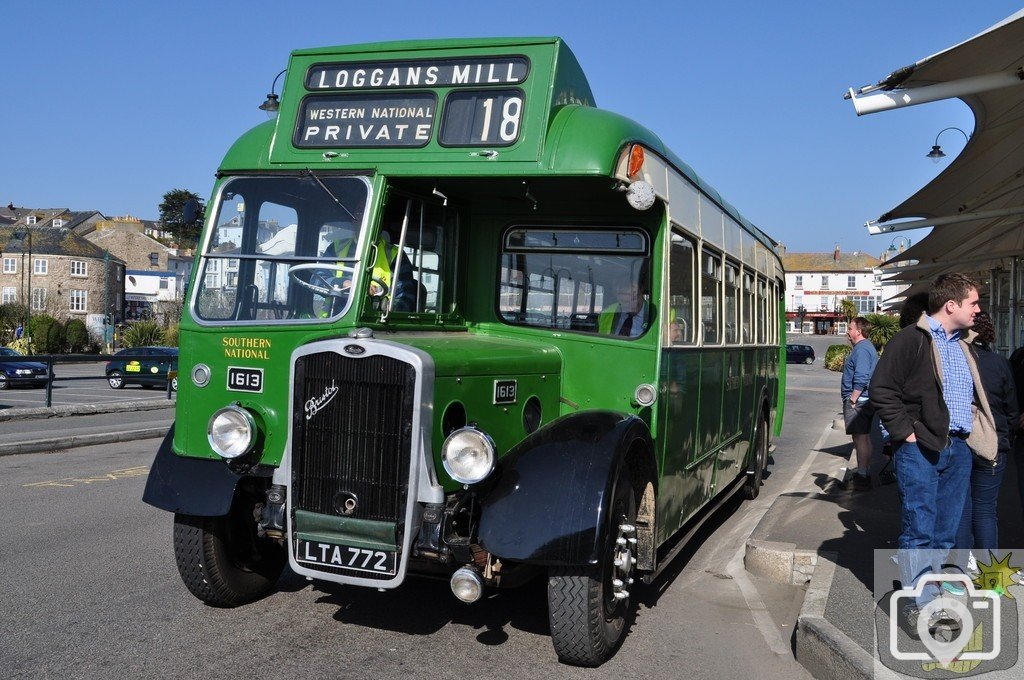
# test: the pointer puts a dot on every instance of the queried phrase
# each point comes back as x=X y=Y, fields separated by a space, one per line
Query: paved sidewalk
x=832 y=533
x=38 y=430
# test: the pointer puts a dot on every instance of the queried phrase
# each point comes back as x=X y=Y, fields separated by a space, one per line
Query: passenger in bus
x=402 y=291
x=627 y=316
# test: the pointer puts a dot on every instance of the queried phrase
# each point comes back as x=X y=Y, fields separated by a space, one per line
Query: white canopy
x=986 y=73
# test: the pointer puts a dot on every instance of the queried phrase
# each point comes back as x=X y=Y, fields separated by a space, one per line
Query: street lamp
x=936 y=153
x=21 y=235
x=892 y=251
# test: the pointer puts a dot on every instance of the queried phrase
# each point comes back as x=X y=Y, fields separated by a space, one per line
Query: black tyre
x=755 y=476
x=809 y=360
x=174 y=384
x=115 y=379
x=4 y=382
x=589 y=607
x=221 y=559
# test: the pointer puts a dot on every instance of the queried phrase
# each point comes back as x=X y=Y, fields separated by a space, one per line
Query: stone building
x=55 y=271
x=155 y=274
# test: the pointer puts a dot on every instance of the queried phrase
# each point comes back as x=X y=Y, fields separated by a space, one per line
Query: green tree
x=172 y=217
x=143 y=334
x=47 y=334
x=76 y=335
x=171 y=335
x=12 y=315
x=847 y=309
x=883 y=327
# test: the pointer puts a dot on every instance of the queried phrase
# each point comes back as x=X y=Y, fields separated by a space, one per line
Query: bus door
x=687 y=468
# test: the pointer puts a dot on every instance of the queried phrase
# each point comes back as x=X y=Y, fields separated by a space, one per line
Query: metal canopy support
x=886 y=228
x=898 y=99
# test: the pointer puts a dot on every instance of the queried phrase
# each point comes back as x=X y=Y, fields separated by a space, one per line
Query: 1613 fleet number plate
x=346 y=557
x=245 y=379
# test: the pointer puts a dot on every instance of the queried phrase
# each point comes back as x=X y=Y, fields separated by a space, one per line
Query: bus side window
x=711 y=295
x=748 y=308
x=762 y=311
x=732 y=303
x=680 y=291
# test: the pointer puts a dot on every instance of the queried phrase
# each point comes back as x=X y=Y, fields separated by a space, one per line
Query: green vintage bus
x=449 y=318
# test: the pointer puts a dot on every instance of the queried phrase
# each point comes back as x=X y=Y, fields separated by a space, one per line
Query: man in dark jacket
x=928 y=394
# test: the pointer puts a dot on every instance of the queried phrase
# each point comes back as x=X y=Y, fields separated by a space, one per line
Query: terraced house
x=47 y=265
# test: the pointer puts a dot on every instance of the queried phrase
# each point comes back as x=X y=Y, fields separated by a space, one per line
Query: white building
x=817 y=283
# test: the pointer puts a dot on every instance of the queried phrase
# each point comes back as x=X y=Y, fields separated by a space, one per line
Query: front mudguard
x=190 y=486
x=549 y=499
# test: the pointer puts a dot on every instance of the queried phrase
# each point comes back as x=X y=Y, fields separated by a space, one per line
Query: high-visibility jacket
x=381 y=266
x=606 y=320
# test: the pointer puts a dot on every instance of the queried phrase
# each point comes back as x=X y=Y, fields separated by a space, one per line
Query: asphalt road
x=89 y=587
x=92 y=391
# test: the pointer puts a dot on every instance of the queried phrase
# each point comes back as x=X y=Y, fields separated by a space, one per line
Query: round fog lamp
x=201 y=375
x=468 y=455
x=231 y=432
x=467 y=585
x=645 y=395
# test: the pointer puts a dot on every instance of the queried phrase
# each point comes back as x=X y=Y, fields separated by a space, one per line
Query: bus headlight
x=468 y=455
x=231 y=432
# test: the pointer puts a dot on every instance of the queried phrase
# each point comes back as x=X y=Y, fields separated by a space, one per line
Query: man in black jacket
x=928 y=394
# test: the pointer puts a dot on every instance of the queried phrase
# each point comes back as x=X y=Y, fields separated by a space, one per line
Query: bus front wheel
x=222 y=561
x=589 y=607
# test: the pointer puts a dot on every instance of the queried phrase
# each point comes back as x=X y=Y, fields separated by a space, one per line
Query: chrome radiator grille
x=352 y=435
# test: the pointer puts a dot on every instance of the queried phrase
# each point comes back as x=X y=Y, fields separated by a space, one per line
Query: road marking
x=113 y=475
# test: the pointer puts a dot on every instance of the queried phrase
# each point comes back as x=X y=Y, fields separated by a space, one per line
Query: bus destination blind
x=418 y=73
x=366 y=120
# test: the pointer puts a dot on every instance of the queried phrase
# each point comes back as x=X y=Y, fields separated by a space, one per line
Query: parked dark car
x=146 y=366
x=14 y=371
x=799 y=354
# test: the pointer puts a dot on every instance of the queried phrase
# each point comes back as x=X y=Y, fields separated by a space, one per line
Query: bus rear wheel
x=755 y=477
x=222 y=561
x=589 y=607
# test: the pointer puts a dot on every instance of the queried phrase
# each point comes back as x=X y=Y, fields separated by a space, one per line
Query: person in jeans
x=929 y=396
x=979 y=527
x=857 y=412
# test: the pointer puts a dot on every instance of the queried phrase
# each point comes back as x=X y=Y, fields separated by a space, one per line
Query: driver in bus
x=402 y=291
x=627 y=316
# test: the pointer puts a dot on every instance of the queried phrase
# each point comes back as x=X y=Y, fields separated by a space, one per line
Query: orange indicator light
x=636 y=160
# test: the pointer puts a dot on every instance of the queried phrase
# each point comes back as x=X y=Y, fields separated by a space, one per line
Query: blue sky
x=107 y=105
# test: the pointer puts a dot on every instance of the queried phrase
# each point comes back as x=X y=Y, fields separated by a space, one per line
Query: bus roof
x=353 y=106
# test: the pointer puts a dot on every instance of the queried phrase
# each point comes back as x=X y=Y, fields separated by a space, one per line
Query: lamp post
x=801 y=312
x=892 y=251
x=936 y=153
x=22 y=236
